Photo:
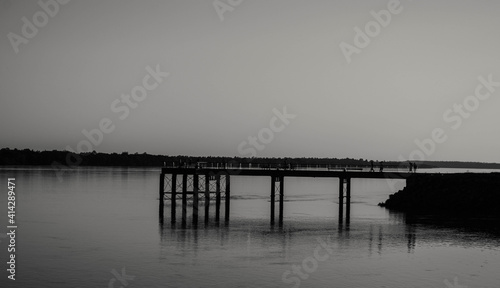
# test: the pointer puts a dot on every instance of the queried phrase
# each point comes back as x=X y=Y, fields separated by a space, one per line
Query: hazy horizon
x=216 y=74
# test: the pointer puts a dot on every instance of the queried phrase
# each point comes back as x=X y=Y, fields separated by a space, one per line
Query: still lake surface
x=99 y=228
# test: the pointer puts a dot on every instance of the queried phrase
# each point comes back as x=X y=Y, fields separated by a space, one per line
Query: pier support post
x=348 y=200
x=184 y=199
x=195 y=198
x=273 y=192
x=228 y=197
x=282 y=188
x=344 y=189
x=207 y=197
x=161 y=197
x=173 y=198
x=217 y=198
x=341 y=200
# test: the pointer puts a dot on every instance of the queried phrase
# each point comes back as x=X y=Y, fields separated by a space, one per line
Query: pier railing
x=288 y=166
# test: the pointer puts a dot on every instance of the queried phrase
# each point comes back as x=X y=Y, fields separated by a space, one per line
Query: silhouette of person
x=382 y=166
x=411 y=167
x=371 y=169
x=414 y=167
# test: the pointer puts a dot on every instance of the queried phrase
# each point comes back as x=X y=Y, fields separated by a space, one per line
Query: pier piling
x=282 y=188
x=173 y=198
x=348 y=200
x=207 y=197
x=341 y=200
x=195 y=198
x=217 y=198
x=161 y=197
x=228 y=197
x=184 y=199
x=273 y=193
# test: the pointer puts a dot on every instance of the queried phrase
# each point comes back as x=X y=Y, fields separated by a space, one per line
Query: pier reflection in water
x=374 y=248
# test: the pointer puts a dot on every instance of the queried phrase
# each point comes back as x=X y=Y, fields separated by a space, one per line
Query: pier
x=214 y=184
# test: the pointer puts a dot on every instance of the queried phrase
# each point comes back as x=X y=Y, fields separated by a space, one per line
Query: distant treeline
x=31 y=157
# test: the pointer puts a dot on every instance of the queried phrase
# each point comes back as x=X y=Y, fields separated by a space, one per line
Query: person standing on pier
x=415 y=167
x=371 y=169
x=382 y=166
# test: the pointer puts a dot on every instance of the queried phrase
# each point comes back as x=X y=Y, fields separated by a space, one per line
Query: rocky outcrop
x=464 y=194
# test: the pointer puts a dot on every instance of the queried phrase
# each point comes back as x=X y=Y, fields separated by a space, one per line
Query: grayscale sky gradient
x=226 y=77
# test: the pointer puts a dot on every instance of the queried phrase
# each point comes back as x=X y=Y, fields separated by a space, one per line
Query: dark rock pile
x=465 y=194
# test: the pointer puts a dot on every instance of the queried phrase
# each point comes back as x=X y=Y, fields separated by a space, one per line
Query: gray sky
x=229 y=69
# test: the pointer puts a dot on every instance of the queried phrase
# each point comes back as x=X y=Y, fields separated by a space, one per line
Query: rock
x=464 y=194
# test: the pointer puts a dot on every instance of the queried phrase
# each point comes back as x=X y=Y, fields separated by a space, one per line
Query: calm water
x=99 y=223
